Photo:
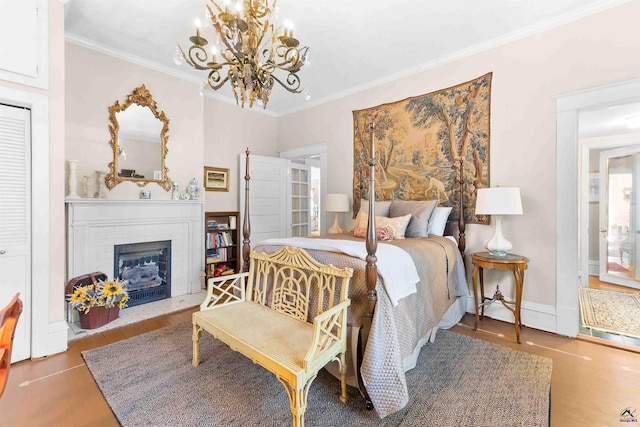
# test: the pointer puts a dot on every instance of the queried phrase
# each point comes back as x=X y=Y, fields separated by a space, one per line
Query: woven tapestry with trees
x=425 y=144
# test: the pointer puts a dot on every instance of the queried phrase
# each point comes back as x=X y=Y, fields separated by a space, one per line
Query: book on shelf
x=212 y=224
x=219 y=239
x=220 y=270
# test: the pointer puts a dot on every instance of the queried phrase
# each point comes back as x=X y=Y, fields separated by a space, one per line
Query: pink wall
x=229 y=130
x=527 y=74
x=202 y=130
x=94 y=82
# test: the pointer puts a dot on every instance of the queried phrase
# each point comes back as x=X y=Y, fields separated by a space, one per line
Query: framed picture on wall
x=216 y=179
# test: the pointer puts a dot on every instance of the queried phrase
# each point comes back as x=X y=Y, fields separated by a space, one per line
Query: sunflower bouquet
x=108 y=294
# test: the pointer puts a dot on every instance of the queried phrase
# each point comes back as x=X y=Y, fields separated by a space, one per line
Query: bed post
x=371 y=270
x=246 y=223
x=462 y=241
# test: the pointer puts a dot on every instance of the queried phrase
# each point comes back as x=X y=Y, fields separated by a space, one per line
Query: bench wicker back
x=290 y=282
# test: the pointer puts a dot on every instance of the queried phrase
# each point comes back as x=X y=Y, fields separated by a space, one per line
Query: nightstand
x=515 y=263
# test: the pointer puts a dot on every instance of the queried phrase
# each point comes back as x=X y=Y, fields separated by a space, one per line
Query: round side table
x=513 y=262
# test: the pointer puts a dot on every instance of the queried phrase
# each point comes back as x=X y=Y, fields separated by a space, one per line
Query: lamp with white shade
x=498 y=201
x=336 y=202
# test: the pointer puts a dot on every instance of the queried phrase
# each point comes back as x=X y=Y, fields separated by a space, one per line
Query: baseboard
x=567 y=321
x=56 y=339
x=594 y=267
x=534 y=315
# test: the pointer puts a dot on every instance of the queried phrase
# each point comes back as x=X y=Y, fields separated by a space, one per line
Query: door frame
x=586 y=145
x=313 y=150
x=569 y=270
x=38 y=300
x=603 y=245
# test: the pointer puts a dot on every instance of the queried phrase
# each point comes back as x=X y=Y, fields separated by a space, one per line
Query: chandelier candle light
x=336 y=202
x=248 y=51
x=498 y=201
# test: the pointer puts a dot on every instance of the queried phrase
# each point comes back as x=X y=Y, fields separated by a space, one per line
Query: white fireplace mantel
x=94 y=226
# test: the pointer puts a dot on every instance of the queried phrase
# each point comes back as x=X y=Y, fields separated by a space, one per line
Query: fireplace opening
x=146 y=267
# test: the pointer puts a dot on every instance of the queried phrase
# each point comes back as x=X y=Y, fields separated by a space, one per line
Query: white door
x=15 y=220
x=299 y=199
x=619 y=223
x=267 y=196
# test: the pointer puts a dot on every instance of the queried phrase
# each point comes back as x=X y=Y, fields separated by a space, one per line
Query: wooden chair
x=8 y=321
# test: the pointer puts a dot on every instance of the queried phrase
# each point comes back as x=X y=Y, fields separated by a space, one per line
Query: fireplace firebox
x=146 y=267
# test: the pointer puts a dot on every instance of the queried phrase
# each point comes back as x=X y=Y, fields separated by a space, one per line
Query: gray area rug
x=148 y=380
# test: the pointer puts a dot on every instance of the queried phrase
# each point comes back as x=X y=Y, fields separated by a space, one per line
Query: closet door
x=15 y=219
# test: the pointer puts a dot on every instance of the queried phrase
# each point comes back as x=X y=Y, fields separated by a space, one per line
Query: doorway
x=572 y=179
x=611 y=155
x=315 y=157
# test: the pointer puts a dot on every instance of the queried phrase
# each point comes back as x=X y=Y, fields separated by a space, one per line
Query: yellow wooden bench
x=263 y=314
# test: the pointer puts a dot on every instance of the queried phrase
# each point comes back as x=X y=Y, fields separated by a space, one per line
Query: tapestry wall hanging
x=424 y=144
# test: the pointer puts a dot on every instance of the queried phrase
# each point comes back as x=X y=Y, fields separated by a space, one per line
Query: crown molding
x=124 y=56
x=520 y=34
x=532 y=30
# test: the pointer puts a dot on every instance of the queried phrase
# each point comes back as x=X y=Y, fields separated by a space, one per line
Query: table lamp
x=498 y=201
x=336 y=202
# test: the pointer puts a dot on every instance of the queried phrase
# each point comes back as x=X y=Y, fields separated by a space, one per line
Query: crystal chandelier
x=248 y=51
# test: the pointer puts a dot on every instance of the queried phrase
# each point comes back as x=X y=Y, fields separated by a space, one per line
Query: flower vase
x=98 y=316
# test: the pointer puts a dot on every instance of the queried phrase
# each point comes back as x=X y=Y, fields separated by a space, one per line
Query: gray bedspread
x=398 y=332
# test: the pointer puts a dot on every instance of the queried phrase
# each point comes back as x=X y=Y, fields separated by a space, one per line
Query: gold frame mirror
x=141 y=112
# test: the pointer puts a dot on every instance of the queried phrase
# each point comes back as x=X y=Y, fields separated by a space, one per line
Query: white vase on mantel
x=90 y=185
x=73 y=180
x=102 y=186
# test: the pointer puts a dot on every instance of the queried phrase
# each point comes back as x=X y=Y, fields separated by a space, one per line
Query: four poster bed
x=395 y=307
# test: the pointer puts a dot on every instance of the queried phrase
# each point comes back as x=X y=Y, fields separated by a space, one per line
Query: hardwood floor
x=591 y=384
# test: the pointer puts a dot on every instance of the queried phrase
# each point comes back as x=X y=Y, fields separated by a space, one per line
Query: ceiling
x=354 y=44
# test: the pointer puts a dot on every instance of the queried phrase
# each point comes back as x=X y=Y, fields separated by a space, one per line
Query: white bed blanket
x=395 y=265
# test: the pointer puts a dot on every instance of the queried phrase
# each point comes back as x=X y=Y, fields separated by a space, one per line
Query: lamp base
x=498 y=253
x=335 y=228
x=498 y=245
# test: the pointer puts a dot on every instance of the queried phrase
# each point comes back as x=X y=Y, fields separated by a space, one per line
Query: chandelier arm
x=197 y=51
x=216 y=79
x=290 y=56
x=291 y=89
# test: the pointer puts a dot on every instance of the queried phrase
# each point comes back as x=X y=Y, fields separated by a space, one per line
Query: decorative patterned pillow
x=361 y=220
x=382 y=233
x=397 y=226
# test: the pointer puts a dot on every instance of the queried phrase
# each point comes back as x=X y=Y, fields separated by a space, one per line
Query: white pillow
x=438 y=220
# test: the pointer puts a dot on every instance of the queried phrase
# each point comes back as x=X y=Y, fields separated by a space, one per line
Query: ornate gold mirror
x=139 y=141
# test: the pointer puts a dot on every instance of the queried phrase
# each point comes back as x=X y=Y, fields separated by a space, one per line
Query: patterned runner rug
x=611 y=311
x=148 y=380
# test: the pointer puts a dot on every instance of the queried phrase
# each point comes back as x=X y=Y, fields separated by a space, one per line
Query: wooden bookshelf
x=221 y=242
